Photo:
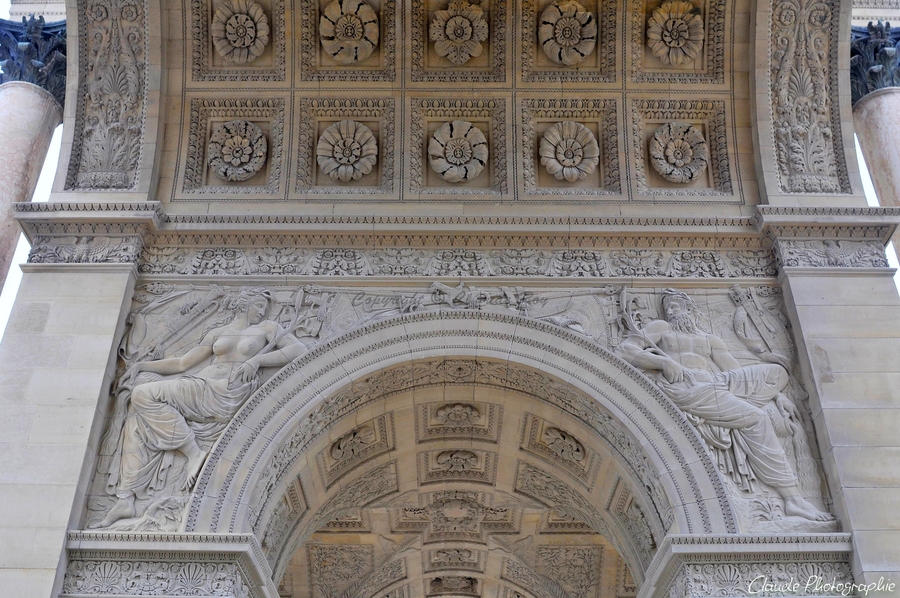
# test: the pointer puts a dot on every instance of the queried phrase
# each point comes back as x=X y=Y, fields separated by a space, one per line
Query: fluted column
x=32 y=88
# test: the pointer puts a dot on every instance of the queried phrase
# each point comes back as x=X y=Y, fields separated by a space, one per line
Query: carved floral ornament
x=567 y=32
x=239 y=31
x=349 y=31
x=569 y=151
x=236 y=150
x=678 y=152
x=347 y=150
x=459 y=31
x=458 y=151
x=675 y=32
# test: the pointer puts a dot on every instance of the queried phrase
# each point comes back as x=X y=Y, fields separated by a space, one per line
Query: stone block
x=867 y=467
x=28 y=317
x=25 y=351
x=59 y=386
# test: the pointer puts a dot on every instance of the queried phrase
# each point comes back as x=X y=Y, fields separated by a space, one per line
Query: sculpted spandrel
x=184 y=412
x=701 y=376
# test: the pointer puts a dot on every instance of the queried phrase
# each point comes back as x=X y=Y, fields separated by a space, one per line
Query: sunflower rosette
x=458 y=151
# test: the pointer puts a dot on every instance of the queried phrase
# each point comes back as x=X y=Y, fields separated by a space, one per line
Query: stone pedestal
x=28 y=114
x=876 y=119
x=57 y=361
x=848 y=327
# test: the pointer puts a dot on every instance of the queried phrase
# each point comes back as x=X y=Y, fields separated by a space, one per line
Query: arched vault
x=542 y=420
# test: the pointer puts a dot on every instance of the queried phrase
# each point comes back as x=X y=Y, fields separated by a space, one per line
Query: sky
x=42 y=193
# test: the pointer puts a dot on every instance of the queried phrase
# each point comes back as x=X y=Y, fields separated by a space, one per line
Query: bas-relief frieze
x=142 y=482
x=408 y=261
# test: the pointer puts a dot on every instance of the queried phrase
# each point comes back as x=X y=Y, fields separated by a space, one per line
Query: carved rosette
x=569 y=151
x=458 y=151
x=346 y=151
x=236 y=150
x=675 y=32
x=239 y=31
x=568 y=32
x=348 y=30
x=678 y=152
x=458 y=32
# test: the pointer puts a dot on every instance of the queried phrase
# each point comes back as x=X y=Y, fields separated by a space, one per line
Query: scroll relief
x=746 y=411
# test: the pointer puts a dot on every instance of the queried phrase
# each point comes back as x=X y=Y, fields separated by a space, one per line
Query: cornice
x=862 y=223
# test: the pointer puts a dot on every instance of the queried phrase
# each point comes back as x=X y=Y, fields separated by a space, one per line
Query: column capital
x=34 y=52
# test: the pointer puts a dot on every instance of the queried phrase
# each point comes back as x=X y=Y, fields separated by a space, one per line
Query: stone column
x=28 y=114
x=57 y=362
x=876 y=118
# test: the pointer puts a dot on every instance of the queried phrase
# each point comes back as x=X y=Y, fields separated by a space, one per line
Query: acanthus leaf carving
x=85 y=250
x=113 y=96
x=830 y=253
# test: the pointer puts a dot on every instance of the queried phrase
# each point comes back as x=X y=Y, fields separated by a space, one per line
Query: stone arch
x=251 y=475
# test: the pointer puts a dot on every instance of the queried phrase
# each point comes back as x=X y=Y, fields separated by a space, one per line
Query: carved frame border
x=201 y=111
x=606 y=12
x=201 y=68
x=308 y=34
x=493 y=110
x=713 y=114
x=311 y=110
x=420 y=40
x=603 y=112
x=715 y=48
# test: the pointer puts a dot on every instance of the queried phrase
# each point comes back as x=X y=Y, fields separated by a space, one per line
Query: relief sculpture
x=739 y=410
x=178 y=411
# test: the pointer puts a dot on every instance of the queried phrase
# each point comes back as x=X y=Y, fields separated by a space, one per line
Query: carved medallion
x=675 y=32
x=678 y=152
x=567 y=32
x=239 y=31
x=569 y=151
x=349 y=31
x=347 y=150
x=458 y=151
x=236 y=150
x=458 y=31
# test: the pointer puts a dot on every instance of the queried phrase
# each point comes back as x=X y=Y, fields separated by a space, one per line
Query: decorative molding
x=722 y=565
x=428 y=113
x=370 y=439
x=711 y=68
x=456 y=515
x=578 y=569
x=806 y=121
x=128 y=564
x=409 y=261
x=599 y=67
x=380 y=66
x=453 y=558
x=830 y=254
x=332 y=568
x=204 y=113
x=561 y=449
x=85 y=250
x=111 y=114
x=710 y=115
x=628 y=513
x=440 y=421
x=462 y=465
x=495 y=46
x=204 y=67
x=598 y=113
